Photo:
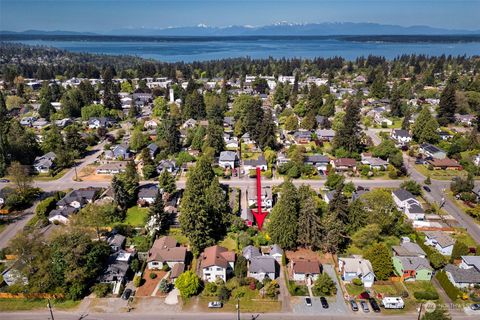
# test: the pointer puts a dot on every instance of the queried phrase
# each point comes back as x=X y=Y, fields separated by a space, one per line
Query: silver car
x=364 y=306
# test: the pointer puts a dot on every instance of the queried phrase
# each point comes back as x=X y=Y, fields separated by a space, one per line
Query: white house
x=356 y=267
x=305 y=270
x=462 y=278
x=262 y=267
x=216 y=263
x=408 y=204
x=469 y=262
x=228 y=159
x=441 y=241
x=401 y=136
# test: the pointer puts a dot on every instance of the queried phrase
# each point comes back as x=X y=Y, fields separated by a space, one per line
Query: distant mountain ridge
x=278 y=29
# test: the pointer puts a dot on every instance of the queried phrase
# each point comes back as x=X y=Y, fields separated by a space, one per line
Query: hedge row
x=451 y=291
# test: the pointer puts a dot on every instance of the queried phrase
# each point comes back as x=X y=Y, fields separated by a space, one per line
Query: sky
x=106 y=15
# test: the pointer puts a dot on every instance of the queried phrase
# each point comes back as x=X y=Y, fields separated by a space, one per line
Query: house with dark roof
x=252 y=164
x=165 y=251
x=216 y=262
x=401 y=136
x=147 y=195
x=111 y=168
x=408 y=204
x=116 y=271
x=262 y=267
x=319 y=161
x=116 y=242
x=408 y=249
x=121 y=152
x=153 y=149
x=462 y=278
x=302 y=137
x=78 y=198
x=429 y=150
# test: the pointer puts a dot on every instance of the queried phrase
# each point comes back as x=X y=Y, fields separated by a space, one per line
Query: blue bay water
x=187 y=50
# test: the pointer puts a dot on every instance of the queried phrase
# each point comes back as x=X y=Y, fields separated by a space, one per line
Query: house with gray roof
x=228 y=159
x=78 y=198
x=61 y=215
x=412 y=268
x=469 y=262
x=252 y=164
x=408 y=249
x=462 y=278
x=45 y=163
x=262 y=267
x=408 y=204
x=167 y=165
x=319 y=161
x=325 y=134
x=441 y=241
x=147 y=195
x=250 y=252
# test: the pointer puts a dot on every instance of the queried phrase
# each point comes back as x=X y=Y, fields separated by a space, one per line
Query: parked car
x=308 y=301
x=374 y=304
x=126 y=294
x=4 y=181
x=354 y=305
x=475 y=306
x=427 y=188
x=364 y=306
x=215 y=304
x=324 y=302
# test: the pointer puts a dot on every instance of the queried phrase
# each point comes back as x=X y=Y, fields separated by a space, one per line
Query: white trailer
x=393 y=303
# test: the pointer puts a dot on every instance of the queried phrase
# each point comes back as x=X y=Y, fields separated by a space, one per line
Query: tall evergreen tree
x=335 y=222
x=267 y=137
x=423 y=117
x=309 y=219
x=158 y=214
x=111 y=99
x=448 y=105
x=194 y=106
x=46 y=109
x=429 y=132
x=169 y=136
x=120 y=193
x=349 y=136
x=395 y=102
x=202 y=208
x=4 y=124
x=379 y=88
x=283 y=227
x=214 y=138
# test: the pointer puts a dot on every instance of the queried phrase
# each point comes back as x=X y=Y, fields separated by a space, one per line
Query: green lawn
x=229 y=242
x=27 y=304
x=416 y=286
x=354 y=290
x=439 y=174
x=136 y=216
x=461 y=235
x=179 y=236
x=45 y=177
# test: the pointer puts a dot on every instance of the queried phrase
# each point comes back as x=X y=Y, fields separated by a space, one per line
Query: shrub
x=324 y=285
x=223 y=293
x=153 y=275
x=357 y=282
x=165 y=267
x=164 y=286
x=425 y=295
x=102 y=289
x=137 y=280
x=232 y=284
x=210 y=289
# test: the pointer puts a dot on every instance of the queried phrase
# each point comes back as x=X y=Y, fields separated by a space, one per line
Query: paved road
x=44 y=315
x=13 y=228
x=438 y=196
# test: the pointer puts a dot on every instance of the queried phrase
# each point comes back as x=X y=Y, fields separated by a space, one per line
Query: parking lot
x=336 y=303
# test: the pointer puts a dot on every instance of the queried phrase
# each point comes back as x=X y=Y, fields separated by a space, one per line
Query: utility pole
x=50 y=309
x=238 y=308
x=420 y=311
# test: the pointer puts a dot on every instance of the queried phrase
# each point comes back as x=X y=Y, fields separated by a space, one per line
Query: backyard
x=136 y=216
x=439 y=174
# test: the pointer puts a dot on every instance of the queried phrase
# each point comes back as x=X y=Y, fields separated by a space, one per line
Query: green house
x=412 y=268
